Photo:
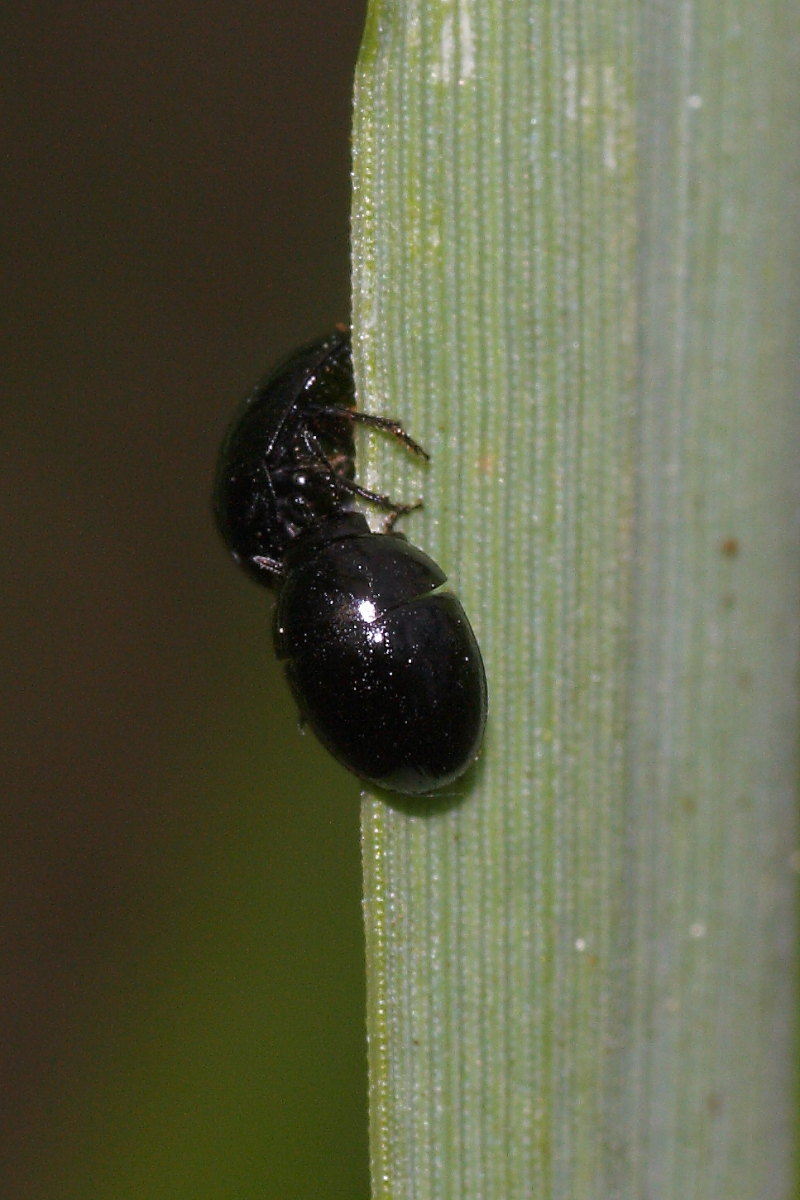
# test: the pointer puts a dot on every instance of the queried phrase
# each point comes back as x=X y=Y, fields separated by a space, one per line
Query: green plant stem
x=579 y=968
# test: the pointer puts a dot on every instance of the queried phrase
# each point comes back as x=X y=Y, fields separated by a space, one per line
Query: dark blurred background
x=182 y=968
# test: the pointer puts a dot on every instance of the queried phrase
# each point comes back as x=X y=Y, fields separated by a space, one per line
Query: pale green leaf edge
x=581 y=967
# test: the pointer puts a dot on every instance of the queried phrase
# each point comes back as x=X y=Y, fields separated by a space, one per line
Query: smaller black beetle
x=383 y=665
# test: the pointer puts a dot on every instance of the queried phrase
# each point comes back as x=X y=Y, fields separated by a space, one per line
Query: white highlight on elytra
x=369 y=615
x=367 y=611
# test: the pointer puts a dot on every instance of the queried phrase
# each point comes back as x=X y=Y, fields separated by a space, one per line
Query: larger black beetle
x=383 y=665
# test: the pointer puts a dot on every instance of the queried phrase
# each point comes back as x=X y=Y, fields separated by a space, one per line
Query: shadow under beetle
x=384 y=666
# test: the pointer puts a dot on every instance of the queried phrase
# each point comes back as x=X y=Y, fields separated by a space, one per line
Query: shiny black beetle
x=383 y=665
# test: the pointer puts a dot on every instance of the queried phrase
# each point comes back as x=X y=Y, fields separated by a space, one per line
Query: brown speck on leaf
x=730 y=547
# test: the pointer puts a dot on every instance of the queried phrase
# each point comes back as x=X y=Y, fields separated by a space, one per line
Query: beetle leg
x=390 y=518
x=385 y=423
x=272 y=566
x=394 y=508
x=311 y=445
x=336 y=465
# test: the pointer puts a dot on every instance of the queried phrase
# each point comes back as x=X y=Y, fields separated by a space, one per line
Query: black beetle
x=383 y=665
